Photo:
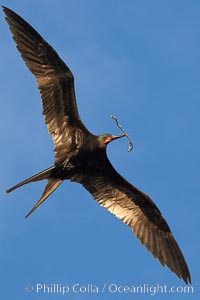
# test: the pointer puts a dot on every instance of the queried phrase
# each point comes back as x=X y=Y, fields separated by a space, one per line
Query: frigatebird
x=80 y=156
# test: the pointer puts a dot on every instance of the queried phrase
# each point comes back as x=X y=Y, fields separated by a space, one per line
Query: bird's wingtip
x=4 y=8
x=188 y=280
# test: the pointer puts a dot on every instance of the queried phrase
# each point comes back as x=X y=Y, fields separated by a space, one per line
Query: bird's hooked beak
x=113 y=137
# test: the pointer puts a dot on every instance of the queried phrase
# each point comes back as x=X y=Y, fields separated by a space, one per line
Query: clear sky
x=139 y=60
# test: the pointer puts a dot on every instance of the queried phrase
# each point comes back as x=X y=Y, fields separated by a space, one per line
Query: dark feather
x=81 y=156
x=56 y=84
x=137 y=210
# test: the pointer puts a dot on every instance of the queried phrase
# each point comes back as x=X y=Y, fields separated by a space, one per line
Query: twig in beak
x=123 y=130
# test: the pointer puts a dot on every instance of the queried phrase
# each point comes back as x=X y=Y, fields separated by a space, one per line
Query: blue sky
x=139 y=60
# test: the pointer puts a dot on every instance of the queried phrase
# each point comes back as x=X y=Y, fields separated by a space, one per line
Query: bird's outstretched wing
x=56 y=84
x=138 y=211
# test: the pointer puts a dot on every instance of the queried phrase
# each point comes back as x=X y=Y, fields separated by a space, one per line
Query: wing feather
x=56 y=84
x=139 y=212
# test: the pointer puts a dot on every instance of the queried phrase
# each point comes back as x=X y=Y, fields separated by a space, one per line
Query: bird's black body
x=81 y=156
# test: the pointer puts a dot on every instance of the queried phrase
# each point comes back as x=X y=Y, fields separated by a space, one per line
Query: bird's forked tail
x=49 y=189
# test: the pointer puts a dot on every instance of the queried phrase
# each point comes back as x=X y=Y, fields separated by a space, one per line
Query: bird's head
x=106 y=138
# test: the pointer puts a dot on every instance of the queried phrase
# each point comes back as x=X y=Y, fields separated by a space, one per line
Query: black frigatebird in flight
x=80 y=156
